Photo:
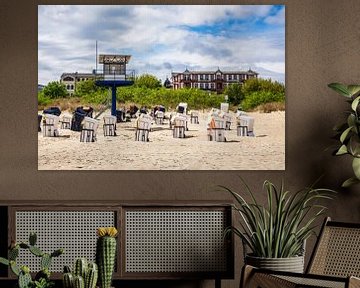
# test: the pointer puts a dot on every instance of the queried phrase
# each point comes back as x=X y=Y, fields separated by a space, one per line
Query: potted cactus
x=84 y=275
x=106 y=254
x=42 y=278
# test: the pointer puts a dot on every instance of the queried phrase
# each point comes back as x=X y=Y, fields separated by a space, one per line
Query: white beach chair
x=65 y=121
x=50 y=125
x=89 y=127
x=159 y=117
x=194 y=116
x=180 y=122
x=183 y=107
x=245 y=126
x=216 y=129
x=143 y=126
x=224 y=107
x=109 y=125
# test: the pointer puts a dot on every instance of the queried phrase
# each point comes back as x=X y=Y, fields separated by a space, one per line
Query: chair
x=143 y=126
x=65 y=122
x=335 y=262
x=88 y=129
x=245 y=126
x=194 y=116
x=159 y=117
x=216 y=129
x=50 y=125
x=180 y=125
x=109 y=125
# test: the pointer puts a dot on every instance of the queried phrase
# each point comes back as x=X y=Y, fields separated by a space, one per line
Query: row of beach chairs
x=219 y=121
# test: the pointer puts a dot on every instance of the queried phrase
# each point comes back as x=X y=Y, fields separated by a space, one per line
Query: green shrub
x=43 y=100
x=54 y=90
x=261 y=97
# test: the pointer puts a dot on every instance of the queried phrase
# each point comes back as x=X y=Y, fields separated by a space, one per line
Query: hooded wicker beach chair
x=65 y=121
x=143 y=127
x=194 y=116
x=88 y=129
x=50 y=125
x=245 y=125
x=335 y=262
x=109 y=125
x=159 y=117
x=179 y=127
x=216 y=129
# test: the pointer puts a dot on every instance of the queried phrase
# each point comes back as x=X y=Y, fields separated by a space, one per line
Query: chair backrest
x=160 y=114
x=194 y=113
x=219 y=122
x=224 y=107
x=51 y=119
x=109 y=119
x=144 y=122
x=337 y=251
x=90 y=123
x=247 y=121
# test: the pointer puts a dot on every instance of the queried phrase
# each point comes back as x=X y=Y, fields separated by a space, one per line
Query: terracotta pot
x=291 y=264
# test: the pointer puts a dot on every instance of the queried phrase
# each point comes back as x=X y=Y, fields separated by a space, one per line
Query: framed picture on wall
x=161 y=87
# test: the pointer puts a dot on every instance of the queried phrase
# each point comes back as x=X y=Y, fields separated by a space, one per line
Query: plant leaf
x=340 y=88
x=353 y=89
x=356 y=167
x=345 y=134
x=355 y=103
x=349 y=182
x=342 y=150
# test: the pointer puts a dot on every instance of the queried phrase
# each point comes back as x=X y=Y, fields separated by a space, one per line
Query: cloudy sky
x=162 y=38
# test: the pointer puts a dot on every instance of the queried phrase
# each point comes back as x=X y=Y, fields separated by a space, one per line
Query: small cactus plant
x=42 y=278
x=106 y=254
x=85 y=275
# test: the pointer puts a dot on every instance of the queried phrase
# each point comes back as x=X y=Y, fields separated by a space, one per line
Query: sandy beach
x=265 y=151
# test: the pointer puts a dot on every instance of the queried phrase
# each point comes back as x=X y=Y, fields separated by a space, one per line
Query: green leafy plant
x=279 y=229
x=42 y=278
x=349 y=132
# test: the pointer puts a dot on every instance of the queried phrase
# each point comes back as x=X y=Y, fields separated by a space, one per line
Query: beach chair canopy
x=53 y=111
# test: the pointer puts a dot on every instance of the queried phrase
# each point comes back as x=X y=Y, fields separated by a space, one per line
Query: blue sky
x=162 y=38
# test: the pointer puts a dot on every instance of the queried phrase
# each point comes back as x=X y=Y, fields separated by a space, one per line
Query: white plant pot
x=291 y=264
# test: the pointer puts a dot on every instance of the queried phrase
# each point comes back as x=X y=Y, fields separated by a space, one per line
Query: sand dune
x=265 y=151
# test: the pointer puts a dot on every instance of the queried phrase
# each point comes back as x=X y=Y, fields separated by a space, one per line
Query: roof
x=213 y=72
x=77 y=74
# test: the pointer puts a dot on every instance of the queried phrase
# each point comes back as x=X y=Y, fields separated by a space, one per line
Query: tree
x=147 y=81
x=258 y=84
x=55 y=89
x=86 y=87
x=235 y=94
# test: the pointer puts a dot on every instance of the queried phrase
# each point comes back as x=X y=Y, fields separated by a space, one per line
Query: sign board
x=114 y=59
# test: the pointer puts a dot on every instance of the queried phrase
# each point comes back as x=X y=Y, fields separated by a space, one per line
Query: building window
x=230 y=77
x=72 y=87
x=207 y=86
x=68 y=78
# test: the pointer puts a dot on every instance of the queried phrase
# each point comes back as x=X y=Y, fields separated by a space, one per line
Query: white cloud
x=158 y=34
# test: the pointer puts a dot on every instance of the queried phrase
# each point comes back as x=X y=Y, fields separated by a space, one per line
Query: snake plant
x=349 y=132
x=279 y=228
